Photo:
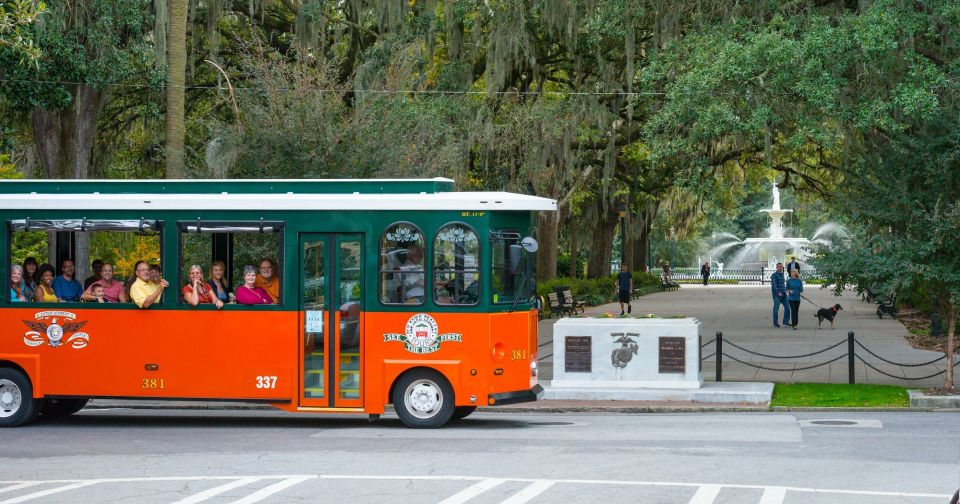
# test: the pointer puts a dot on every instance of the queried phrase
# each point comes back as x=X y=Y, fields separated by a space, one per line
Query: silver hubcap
x=424 y=399
x=10 y=398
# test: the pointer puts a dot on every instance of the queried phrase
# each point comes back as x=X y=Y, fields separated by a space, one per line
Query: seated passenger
x=218 y=283
x=267 y=279
x=97 y=291
x=198 y=291
x=412 y=283
x=155 y=273
x=113 y=289
x=29 y=277
x=249 y=293
x=95 y=267
x=65 y=285
x=16 y=284
x=144 y=291
x=45 y=292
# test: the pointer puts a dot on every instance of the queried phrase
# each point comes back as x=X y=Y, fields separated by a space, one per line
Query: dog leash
x=811 y=302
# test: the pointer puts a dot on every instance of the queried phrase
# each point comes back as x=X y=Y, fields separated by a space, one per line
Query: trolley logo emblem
x=45 y=324
x=422 y=335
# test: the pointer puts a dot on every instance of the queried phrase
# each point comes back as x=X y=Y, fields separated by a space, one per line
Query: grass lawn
x=839 y=395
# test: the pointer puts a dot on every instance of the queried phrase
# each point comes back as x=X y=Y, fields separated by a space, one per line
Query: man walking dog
x=778 y=288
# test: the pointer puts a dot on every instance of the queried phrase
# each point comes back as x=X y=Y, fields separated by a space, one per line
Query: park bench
x=887 y=306
x=570 y=301
x=667 y=284
x=556 y=305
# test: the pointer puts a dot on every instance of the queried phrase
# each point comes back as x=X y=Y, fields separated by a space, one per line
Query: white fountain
x=775 y=247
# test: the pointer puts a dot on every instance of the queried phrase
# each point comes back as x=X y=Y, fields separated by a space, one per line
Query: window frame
x=277 y=227
x=478 y=269
x=158 y=228
x=380 y=271
x=502 y=234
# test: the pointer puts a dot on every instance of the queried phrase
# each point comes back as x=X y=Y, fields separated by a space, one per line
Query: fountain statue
x=757 y=252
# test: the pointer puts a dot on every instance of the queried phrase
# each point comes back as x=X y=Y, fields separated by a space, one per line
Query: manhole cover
x=550 y=424
x=833 y=422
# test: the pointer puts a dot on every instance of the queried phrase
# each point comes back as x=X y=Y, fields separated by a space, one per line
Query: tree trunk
x=548 y=227
x=641 y=245
x=65 y=138
x=574 y=251
x=951 y=329
x=176 y=77
x=601 y=246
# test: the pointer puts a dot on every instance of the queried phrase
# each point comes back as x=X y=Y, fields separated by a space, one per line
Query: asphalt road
x=137 y=456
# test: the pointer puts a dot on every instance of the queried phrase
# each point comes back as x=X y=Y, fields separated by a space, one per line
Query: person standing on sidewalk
x=794 y=288
x=778 y=288
x=624 y=288
x=792 y=266
x=705 y=272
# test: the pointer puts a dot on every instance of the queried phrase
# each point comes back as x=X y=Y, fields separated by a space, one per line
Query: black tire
x=461 y=412
x=423 y=399
x=62 y=407
x=17 y=405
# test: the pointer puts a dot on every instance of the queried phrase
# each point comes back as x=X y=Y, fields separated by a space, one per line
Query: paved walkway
x=743 y=314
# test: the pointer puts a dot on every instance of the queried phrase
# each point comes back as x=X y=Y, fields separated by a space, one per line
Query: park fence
x=851 y=354
x=759 y=276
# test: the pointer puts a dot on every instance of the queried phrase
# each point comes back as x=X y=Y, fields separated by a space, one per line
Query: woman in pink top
x=248 y=294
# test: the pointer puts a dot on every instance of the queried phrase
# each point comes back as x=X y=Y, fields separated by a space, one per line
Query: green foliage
x=15 y=17
x=30 y=244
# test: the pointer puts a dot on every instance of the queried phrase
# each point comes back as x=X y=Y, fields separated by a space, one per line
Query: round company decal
x=49 y=328
x=422 y=335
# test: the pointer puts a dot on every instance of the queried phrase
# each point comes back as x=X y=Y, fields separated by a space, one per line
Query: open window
x=224 y=249
x=456 y=262
x=52 y=246
x=402 y=265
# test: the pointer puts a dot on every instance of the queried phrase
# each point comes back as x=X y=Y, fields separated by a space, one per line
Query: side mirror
x=516 y=259
x=529 y=244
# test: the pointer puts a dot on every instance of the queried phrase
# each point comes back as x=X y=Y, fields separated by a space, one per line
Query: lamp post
x=622 y=212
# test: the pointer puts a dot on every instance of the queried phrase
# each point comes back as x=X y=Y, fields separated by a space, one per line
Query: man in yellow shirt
x=144 y=292
x=267 y=279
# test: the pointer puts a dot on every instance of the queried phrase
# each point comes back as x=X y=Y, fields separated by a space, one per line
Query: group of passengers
x=36 y=282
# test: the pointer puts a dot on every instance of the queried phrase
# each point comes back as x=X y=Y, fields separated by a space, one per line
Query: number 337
x=266 y=382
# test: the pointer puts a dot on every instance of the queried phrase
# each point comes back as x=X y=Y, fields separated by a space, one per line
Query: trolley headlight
x=533 y=368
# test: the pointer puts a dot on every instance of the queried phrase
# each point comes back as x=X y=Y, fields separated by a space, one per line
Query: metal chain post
x=852 y=378
x=719 y=370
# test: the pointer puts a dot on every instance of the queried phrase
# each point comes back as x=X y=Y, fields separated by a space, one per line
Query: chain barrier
x=544 y=357
x=705 y=345
x=725 y=354
x=708 y=356
x=871 y=366
x=728 y=342
x=901 y=364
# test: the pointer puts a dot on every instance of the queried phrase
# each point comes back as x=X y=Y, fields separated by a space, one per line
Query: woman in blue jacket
x=794 y=288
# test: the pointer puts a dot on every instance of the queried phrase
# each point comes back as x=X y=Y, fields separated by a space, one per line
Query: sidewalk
x=743 y=314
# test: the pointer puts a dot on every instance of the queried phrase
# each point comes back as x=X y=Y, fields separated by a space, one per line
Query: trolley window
x=456 y=262
x=402 y=270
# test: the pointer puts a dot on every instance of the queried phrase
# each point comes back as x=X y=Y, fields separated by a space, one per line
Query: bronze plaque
x=673 y=351
x=578 y=354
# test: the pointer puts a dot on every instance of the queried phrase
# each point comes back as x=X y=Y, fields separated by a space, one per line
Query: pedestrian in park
x=705 y=272
x=792 y=266
x=624 y=288
x=778 y=288
x=794 y=288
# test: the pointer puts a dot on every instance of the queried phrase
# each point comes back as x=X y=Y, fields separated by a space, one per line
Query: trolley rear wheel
x=17 y=405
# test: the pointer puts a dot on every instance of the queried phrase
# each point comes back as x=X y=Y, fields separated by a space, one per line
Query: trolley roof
x=394 y=195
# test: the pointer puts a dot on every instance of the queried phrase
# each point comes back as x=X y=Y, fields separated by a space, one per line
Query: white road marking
x=537 y=485
x=534 y=489
x=773 y=495
x=217 y=490
x=19 y=486
x=706 y=494
x=50 y=491
x=472 y=491
x=275 y=488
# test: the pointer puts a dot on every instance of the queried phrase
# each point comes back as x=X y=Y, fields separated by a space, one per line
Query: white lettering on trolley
x=266 y=382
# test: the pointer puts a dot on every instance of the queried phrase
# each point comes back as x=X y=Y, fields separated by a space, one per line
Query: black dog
x=827 y=313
